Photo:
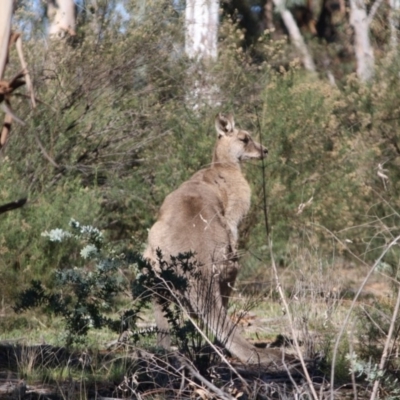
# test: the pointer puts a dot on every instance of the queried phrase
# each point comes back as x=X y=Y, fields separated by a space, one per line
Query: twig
x=387 y=344
x=373 y=10
x=18 y=45
x=289 y=316
x=223 y=358
x=221 y=394
x=282 y=296
x=353 y=376
x=45 y=154
x=29 y=86
x=346 y=320
x=369 y=316
x=265 y=209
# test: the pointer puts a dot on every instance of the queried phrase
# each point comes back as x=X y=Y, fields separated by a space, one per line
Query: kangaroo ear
x=224 y=124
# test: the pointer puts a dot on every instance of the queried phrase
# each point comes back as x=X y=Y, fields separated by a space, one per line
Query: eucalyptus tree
x=362 y=45
x=61 y=14
x=201 y=47
x=6 y=10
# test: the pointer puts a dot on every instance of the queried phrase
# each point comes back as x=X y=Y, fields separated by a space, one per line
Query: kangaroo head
x=235 y=145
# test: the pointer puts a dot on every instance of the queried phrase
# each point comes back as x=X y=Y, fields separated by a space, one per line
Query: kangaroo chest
x=235 y=194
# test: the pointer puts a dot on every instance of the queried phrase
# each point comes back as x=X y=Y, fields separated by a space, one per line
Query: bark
x=362 y=45
x=201 y=46
x=61 y=14
x=201 y=23
x=6 y=10
x=7 y=87
x=295 y=35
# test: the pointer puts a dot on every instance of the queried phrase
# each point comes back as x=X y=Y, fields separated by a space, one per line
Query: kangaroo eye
x=245 y=140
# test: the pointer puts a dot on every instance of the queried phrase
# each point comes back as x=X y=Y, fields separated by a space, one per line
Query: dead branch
x=12 y=206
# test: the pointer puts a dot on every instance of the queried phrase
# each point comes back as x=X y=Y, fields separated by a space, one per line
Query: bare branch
x=212 y=387
x=373 y=10
x=289 y=315
x=295 y=35
x=387 y=344
x=24 y=65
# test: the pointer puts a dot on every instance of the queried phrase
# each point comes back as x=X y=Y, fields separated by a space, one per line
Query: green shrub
x=86 y=292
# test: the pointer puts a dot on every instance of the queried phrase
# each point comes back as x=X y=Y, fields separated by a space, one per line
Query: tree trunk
x=6 y=10
x=201 y=46
x=295 y=35
x=201 y=23
x=394 y=22
x=61 y=14
x=362 y=45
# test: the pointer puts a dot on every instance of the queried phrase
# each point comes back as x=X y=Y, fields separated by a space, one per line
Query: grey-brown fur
x=202 y=216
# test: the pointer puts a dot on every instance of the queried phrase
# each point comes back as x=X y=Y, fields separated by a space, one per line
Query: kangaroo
x=202 y=216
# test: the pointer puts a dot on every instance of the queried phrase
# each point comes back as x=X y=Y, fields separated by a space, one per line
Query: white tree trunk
x=295 y=35
x=61 y=14
x=201 y=46
x=201 y=29
x=6 y=10
x=362 y=45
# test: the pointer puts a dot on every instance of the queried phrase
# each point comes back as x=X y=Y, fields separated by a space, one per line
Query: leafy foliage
x=86 y=294
x=169 y=286
x=371 y=373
